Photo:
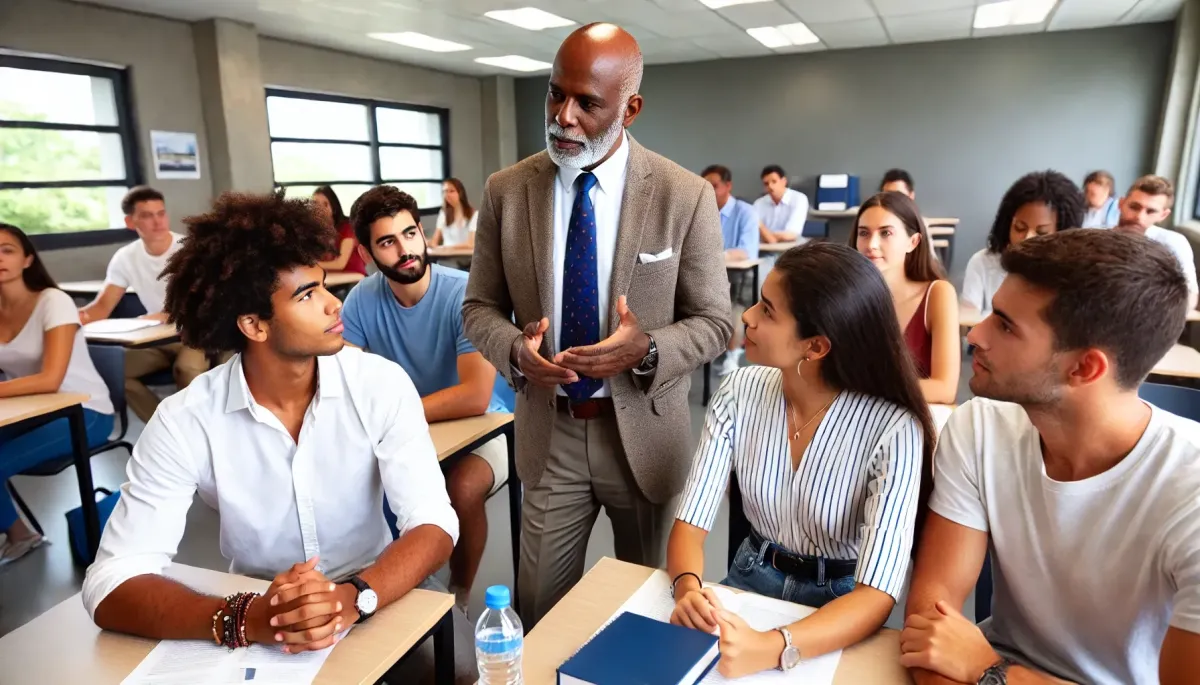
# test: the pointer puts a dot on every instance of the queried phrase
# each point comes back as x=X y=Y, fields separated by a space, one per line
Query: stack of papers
x=110 y=326
x=194 y=662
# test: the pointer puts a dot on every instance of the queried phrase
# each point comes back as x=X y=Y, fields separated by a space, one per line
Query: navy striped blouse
x=854 y=495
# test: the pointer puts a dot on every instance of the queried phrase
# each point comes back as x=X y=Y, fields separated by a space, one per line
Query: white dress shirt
x=606 y=201
x=1179 y=245
x=789 y=214
x=280 y=502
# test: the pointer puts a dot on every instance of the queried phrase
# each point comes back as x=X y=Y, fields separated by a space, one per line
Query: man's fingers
x=916 y=660
x=917 y=622
x=536 y=328
x=297 y=590
x=307 y=612
x=306 y=638
x=946 y=609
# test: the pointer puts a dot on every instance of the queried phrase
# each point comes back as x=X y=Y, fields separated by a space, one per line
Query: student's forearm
x=157 y=607
x=843 y=622
x=408 y=561
x=36 y=384
x=456 y=402
x=1019 y=675
x=765 y=235
x=922 y=677
x=938 y=391
x=685 y=553
x=737 y=254
x=96 y=311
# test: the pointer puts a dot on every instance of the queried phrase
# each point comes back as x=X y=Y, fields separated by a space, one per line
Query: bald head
x=608 y=51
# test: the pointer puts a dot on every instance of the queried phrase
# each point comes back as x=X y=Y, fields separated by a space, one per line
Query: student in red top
x=329 y=208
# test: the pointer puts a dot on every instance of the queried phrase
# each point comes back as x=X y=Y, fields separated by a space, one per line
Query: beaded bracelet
x=233 y=619
x=216 y=620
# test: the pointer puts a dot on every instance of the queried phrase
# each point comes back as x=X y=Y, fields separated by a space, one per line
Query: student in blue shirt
x=411 y=313
x=739 y=227
x=1102 y=211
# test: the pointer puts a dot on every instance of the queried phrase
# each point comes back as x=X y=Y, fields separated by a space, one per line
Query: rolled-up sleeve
x=893 y=494
x=144 y=530
x=710 y=469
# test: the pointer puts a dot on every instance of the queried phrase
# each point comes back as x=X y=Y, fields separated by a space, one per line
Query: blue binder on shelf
x=636 y=649
x=836 y=192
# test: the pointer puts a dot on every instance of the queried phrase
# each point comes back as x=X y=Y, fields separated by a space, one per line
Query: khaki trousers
x=586 y=469
x=186 y=363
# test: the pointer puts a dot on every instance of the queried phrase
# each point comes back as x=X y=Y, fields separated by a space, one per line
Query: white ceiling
x=668 y=30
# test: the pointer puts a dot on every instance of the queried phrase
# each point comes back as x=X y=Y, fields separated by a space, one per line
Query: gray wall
x=966 y=118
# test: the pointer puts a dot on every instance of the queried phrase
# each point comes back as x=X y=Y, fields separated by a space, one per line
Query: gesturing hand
x=943 y=641
x=621 y=351
x=533 y=366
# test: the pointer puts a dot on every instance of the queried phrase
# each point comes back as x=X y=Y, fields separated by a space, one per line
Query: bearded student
x=597 y=288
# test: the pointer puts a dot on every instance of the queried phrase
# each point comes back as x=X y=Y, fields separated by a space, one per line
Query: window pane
x=296 y=118
x=407 y=126
x=28 y=95
x=320 y=162
x=410 y=162
x=427 y=195
x=28 y=154
x=62 y=210
x=347 y=193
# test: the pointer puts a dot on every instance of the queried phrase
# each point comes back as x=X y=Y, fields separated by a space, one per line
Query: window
x=352 y=145
x=67 y=151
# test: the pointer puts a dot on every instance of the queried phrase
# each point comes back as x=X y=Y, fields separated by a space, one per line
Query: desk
x=161 y=334
x=605 y=588
x=84 y=288
x=64 y=646
x=1180 y=361
x=732 y=267
x=777 y=248
x=455 y=439
x=940 y=231
x=848 y=213
x=337 y=279
x=36 y=410
x=454 y=252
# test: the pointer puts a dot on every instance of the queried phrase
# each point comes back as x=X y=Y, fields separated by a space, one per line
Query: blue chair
x=815 y=228
x=1178 y=400
x=110 y=363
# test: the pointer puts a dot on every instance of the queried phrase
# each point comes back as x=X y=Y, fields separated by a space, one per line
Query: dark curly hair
x=229 y=264
x=375 y=204
x=1050 y=187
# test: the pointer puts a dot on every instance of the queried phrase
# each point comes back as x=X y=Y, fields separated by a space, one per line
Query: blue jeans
x=753 y=572
x=20 y=450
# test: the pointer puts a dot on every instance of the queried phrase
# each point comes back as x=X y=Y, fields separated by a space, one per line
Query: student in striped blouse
x=831 y=442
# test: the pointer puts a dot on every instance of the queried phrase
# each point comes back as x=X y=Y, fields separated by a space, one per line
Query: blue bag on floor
x=76 y=531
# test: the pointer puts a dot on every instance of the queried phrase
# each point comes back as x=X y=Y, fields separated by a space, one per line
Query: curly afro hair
x=229 y=264
x=1050 y=187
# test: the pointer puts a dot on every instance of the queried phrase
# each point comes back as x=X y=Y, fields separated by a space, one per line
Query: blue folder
x=635 y=650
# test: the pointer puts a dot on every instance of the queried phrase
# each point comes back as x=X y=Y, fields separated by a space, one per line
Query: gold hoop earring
x=799 y=364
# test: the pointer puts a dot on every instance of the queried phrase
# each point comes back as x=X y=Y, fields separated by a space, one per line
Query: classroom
x=675 y=341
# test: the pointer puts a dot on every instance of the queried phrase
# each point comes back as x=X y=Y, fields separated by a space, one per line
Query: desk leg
x=83 y=473
x=443 y=650
x=754 y=295
x=514 y=501
x=707 y=387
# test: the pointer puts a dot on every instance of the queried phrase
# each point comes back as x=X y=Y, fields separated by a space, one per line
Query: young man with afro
x=294 y=441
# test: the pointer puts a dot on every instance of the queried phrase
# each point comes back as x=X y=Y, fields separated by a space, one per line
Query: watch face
x=791 y=658
x=994 y=676
x=367 y=601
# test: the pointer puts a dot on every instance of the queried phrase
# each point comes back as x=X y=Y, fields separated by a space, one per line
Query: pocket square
x=646 y=257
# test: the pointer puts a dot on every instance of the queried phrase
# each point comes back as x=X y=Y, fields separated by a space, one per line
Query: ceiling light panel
x=530 y=18
x=420 y=41
x=514 y=63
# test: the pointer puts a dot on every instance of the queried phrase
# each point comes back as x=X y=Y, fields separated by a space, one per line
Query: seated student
x=899 y=181
x=1085 y=494
x=411 y=313
x=1149 y=201
x=890 y=232
x=831 y=443
x=1103 y=210
x=1039 y=203
x=739 y=227
x=329 y=209
x=782 y=211
x=457 y=218
x=138 y=266
x=294 y=441
x=42 y=350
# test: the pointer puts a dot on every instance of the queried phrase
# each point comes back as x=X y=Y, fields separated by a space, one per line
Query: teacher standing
x=609 y=258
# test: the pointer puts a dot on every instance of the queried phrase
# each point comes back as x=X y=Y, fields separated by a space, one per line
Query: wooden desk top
x=940 y=242
x=1181 y=361
x=17 y=409
x=848 y=213
x=777 y=248
x=451 y=436
x=64 y=646
x=85 y=287
x=941 y=231
x=610 y=582
x=942 y=223
x=742 y=264
x=448 y=252
x=339 y=278
x=161 y=333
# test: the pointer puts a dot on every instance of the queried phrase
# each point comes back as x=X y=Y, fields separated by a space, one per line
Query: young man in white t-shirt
x=1085 y=496
x=138 y=266
x=1148 y=202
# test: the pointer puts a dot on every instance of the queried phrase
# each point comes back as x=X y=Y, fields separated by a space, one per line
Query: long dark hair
x=339 y=217
x=468 y=210
x=919 y=265
x=836 y=292
x=1048 y=187
x=37 y=278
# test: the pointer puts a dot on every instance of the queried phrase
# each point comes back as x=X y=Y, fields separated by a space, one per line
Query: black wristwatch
x=997 y=674
x=650 y=361
x=367 y=600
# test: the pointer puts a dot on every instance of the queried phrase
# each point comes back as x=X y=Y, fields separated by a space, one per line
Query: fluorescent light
x=718 y=4
x=1012 y=13
x=514 y=62
x=530 y=18
x=784 y=36
x=420 y=41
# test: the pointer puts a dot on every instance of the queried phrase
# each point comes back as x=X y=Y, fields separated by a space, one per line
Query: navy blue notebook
x=635 y=650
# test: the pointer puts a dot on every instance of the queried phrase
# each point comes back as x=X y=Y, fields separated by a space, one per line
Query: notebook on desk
x=636 y=649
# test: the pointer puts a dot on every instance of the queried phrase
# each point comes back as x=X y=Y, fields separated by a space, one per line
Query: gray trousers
x=586 y=469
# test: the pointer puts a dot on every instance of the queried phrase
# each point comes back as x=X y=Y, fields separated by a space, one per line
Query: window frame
x=126 y=127
x=372 y=141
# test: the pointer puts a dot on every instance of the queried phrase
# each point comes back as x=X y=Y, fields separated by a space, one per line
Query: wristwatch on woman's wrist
x=790 y=658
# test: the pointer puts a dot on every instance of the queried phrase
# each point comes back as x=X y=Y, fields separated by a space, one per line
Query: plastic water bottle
x=498 y=640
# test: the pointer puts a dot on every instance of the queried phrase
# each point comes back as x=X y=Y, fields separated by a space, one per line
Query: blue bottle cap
x=497 y=597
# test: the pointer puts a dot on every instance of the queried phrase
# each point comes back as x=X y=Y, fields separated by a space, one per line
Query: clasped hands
x=621 y=351
x=302 y=610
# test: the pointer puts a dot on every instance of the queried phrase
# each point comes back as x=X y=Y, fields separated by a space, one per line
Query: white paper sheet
x=119 y=325
x=653 y=600
x=192 y=662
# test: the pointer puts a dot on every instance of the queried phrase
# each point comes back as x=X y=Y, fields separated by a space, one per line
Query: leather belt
x=804 y=567
x=587 y=409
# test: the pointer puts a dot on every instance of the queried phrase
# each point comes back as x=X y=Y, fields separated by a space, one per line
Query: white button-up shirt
x=280 y=502
x=789 y=214
x=606 y=201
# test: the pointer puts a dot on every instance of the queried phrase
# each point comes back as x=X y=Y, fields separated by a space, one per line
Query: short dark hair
x=37 y=277
x=893 y=175
x=722 y=172
x=339 y=216
x=377 y=203
x=138 y=194
x=773 y=169
x=1155 y=185
x=229 y=264
x=1103 y=178
x=1124 y=294
x=1049 y=187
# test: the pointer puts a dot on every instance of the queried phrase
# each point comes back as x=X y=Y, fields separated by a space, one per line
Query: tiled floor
x=48 y=576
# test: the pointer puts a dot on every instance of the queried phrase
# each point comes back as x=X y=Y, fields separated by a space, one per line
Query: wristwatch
x=791 y=654
x=650 y=361
x=997 y=673
x=367 y=600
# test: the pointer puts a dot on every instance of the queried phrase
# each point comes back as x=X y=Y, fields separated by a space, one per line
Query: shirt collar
x=727 y=211
x=330 y=383
x=610 y=175
x=787 y=195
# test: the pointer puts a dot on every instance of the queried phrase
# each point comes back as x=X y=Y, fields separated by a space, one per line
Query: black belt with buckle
x=587 y=409
x=804 y=568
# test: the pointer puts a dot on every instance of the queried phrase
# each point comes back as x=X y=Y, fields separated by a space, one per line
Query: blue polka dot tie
x=580 y=316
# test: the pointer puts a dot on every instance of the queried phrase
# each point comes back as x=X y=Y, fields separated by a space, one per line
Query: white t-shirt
x=22 y=356
x=133 y=267
x=1177 y=243
x=458 y=232
x=1088 y=574
x=982 y=279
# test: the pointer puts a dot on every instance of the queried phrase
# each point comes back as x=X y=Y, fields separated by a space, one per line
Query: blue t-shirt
x=426 y=339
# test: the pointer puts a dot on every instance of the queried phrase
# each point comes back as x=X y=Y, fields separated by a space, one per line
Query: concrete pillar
x=499 y=114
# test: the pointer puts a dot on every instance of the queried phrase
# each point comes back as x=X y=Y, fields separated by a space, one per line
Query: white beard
x=589 y=152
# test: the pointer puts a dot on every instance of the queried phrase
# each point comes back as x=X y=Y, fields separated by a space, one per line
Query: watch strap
x=362 y=586
x=997 y=673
